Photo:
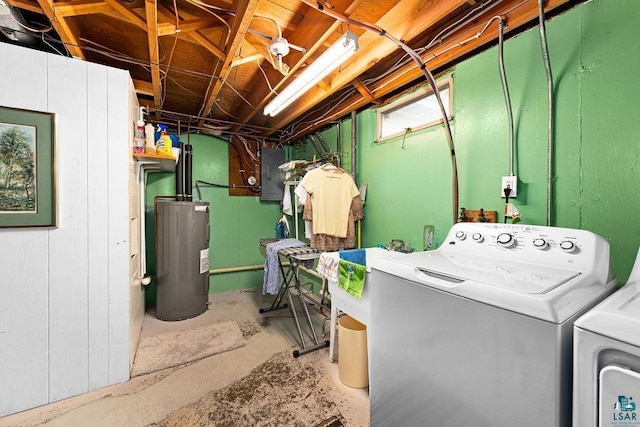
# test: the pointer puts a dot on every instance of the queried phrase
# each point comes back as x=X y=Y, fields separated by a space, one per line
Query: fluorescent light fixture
x=331 y=59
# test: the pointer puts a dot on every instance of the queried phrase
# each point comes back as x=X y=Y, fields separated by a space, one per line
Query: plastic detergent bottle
x=163 y=144
x=138 y=134
x=150 y=139
x=138 y=138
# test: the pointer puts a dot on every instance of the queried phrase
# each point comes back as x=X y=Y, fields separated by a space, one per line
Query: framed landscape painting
x=27 y=168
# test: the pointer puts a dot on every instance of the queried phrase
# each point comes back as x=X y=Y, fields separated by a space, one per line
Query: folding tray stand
x=291 y=279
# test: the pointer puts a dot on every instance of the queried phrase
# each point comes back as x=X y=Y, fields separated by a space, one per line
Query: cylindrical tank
x=183 y=259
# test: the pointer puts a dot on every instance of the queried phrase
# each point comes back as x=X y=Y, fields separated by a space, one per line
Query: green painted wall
x=594 y=56
x=237 y=223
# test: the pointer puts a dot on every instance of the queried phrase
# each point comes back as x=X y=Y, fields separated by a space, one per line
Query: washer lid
x=517 y=276
x=617 y=317
x=548 y=293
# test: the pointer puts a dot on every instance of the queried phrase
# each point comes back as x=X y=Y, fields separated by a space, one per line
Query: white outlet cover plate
x=512 y=182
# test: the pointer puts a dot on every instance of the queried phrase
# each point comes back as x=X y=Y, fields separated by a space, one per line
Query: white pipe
x=292 y=187
x=354 y=145
x=296 y=214
x=241 y=268
x=310 y=271
x=259 y=266
x=142 y=167
x=235 y=269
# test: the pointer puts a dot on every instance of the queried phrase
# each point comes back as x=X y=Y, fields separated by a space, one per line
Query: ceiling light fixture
x=331 y=59
x=280 y=47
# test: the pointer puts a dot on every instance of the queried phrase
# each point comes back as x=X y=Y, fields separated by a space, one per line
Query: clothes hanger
x=330 y=167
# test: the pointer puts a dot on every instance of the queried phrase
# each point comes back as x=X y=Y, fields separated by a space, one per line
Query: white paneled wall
x=136 y=291
x=65 y=292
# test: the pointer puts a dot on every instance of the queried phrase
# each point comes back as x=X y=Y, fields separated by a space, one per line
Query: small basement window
x=416 y=111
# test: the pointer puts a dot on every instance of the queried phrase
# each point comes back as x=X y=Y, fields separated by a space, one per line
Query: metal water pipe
x=354 y=149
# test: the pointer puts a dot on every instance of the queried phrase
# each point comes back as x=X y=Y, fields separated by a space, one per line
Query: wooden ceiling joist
x=64 y=29
x=407 y=19
x=143 y=88
x=239 y=61
x=154 y=47
x=26 y=5
x=66 y=9
x=190 y=29
x=315 y=30
x=187 y=26
x=245 y=9
x=129 y=14
x=364 y=90
x=218 y=52
x=207 y=44
x=439 y=57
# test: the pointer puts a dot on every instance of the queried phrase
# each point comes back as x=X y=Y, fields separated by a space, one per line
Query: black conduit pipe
x=188 y=185
x=180 y=174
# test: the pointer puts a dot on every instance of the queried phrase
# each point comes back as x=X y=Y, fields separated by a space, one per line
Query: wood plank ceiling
x=207 y=64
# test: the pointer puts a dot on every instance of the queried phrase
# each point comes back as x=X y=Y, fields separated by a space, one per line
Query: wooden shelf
x=165 y=163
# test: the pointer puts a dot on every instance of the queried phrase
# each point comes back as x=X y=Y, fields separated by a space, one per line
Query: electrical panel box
x=271 y=178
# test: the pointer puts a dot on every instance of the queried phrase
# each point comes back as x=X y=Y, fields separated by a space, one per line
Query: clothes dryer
x=606 y=369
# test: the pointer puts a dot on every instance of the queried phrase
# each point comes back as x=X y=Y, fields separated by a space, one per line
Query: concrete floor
x=149 y=399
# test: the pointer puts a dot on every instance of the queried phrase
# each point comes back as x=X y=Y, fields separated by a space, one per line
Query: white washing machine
x=606 y=369
x=479 y=332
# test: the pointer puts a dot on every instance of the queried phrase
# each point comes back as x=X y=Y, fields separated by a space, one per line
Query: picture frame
x=27 y=168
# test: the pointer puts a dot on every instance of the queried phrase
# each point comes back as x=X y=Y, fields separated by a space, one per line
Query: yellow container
x=353 y=367
x=163 y=145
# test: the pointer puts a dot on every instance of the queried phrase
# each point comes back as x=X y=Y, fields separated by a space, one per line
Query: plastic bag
x=282 y=228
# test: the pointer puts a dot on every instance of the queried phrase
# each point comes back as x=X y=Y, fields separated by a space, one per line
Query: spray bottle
x=163 y=144
x=138 y=136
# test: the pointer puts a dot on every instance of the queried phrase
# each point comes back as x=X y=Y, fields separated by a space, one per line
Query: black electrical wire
x=242 y=163
x=507 y=193
x=211 y=184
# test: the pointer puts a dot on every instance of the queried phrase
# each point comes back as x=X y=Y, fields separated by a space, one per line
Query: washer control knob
x=477 y=237
x=567 y=246
x=506 y=240
x=540 y=243
x=461 y=235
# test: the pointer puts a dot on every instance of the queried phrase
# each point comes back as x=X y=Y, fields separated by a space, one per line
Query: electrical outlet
x=512 y=183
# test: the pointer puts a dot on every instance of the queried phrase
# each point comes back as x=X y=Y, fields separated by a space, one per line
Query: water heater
x=182 y=259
